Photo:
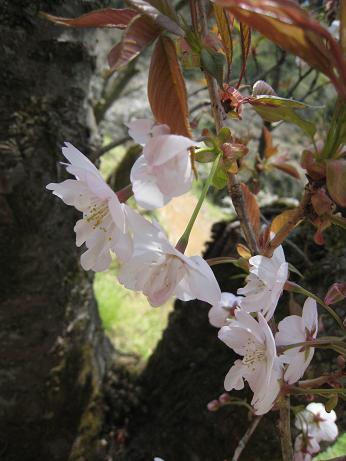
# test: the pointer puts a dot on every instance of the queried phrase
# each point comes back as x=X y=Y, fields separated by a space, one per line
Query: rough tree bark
x=53 y=352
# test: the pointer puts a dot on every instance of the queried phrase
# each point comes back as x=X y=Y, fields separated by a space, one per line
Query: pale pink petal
x=234 y=378
x=309 y=315
x=298 y=364
x=145 y=187
x=291 y=331
x=174 y=177
x=218 y=316
x=162 y=148
x=140 y=130
x=77 y=159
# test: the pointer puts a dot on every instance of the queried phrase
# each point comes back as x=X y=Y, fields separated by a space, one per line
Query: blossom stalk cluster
x=151 y=264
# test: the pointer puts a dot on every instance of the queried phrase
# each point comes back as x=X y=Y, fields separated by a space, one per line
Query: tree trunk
x=53 y=353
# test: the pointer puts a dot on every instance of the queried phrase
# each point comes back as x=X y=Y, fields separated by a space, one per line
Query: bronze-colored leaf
x=269 y=148
x=161 y=12
x=336 y=180
x=166 y=88
x=281 y=220
x=286 y=168
x=139 y=34
x=225 y=34
x=288 y=25
x=252 y=208
x=245 y=40
x=107 y=17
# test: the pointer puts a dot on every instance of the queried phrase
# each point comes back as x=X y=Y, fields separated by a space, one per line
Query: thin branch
x=285 y=430
x=246 y=437
x=219 y=115
x=112 y=145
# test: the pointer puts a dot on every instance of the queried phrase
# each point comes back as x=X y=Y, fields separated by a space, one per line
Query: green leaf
x=213 y=62
x=220 y=178
x=274 y=109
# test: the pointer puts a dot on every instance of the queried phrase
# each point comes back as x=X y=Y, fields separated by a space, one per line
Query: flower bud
x=224 y=398
x=341 y=361
x=214 y=405
x=336 y=293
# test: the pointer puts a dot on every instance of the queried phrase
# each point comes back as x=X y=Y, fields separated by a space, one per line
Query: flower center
x=254 y=353
x=96 y=213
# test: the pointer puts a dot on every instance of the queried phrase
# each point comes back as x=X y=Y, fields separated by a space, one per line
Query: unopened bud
x=336 y=293
x=224 y=398
x=341 y=361
x=214 y=405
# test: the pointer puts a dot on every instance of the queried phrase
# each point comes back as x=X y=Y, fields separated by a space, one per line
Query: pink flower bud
x=336 y=293
x=224 y=398
x=214 y=405
x=341 y=361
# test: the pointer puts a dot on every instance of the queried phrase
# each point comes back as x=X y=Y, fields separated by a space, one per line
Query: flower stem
x=285 y=430
x=125 y=193
x=295 y=288
x=184 y=239
x=199 y=8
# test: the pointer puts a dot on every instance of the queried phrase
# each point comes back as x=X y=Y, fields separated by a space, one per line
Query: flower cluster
x=151 y=264
x=315 y=425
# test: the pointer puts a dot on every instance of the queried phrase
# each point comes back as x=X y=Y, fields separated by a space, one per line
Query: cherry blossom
x=317 y=422
x=260 y=366
x=160 y=271
x=295 y=329
x=103 y=226
x=164 y=170
x=305 y=446
x=219 y=313
x=265 y=283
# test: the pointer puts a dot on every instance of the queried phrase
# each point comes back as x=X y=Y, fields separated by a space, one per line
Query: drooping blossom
x=295 y=329
x=315 y=421
x=265 y=283
x=260 y=366
x=219 y=313
x=103 y=226
x=160 y=271
x=164 y=169
x=305 y=446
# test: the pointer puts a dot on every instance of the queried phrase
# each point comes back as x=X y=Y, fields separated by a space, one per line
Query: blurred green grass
x=335 y=450
x=133 y=325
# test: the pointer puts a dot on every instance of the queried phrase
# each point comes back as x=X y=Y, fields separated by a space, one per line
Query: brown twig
x=287 y=228
x=219 y=115
x=246 y=437
x=285 y=430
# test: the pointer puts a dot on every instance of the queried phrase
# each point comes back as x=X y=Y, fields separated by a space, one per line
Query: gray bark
x=53 y=353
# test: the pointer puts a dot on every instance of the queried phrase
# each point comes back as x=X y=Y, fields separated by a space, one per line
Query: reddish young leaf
x=336 y=180
x=166 y=88
x=252 y=208
x=281 y=220
x=161 y=12
x=269 y=148
x=245 y=39
x=107 y=17
x=139 y=34
x=225 y=34
x=288 y=25
x=286 y=168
